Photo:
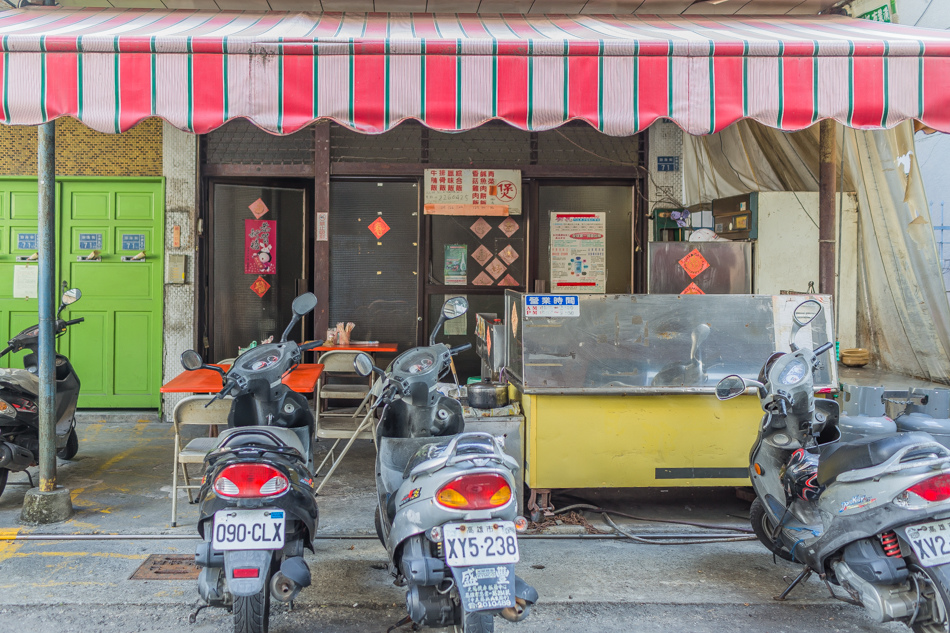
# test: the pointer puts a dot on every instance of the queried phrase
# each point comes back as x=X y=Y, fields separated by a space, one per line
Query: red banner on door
x=260 y=237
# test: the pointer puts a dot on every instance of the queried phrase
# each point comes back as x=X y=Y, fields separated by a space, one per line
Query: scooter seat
x=267 y=436
x=20 y=379
x=842 y=457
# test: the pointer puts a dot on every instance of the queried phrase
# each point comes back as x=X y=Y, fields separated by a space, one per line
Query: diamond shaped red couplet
x=693 y=289
x=378 y=227
x=260 y=286
x=694 y=263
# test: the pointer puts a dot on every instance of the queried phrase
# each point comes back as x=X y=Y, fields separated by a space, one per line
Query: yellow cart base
x=638 y=441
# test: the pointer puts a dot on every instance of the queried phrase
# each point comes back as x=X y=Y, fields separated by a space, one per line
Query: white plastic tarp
x=904 y=315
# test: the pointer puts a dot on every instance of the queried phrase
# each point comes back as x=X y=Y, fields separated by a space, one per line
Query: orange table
x=303 y=379
x=383 y=348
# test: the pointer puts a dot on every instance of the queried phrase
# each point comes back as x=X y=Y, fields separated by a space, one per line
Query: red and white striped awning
x=197 y=69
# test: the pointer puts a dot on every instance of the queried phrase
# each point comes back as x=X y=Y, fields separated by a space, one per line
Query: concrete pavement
x=120 y=481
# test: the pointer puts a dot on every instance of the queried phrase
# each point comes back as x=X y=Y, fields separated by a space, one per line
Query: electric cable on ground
x=744 y=534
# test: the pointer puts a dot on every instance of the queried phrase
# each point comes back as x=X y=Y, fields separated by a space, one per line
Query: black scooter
x=257 y=510
x=19 y=392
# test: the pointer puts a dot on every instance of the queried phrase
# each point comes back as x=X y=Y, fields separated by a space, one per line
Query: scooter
x=870 y=516
x=19 y=395
x=257 y=510
x=445 y=511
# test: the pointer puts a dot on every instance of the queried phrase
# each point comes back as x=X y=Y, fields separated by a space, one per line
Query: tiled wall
x=665 y=187
x=81 y=151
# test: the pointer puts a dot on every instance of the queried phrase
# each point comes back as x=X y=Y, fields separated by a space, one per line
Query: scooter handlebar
x=75 y=321
x=460 y=348
x=823 y=348
x=306 y=347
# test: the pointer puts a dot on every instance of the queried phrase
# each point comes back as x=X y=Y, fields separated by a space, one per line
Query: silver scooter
x=447 y=513
x=870 y=516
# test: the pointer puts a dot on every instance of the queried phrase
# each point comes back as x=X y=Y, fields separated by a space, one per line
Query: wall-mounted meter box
x=737 y=218
x=175 y=270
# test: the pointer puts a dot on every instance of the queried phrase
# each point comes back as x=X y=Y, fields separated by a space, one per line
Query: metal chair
x=350 y=429
x=339 y=364
x=191 y=411
x=345 y=423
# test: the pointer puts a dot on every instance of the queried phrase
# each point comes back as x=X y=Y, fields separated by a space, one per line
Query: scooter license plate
x=930 y=542
x=248 y=529
x=487 y=543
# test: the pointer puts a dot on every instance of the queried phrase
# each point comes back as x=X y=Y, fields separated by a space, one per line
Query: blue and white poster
x=90 y=241
x=133 y=241
x=26 y=241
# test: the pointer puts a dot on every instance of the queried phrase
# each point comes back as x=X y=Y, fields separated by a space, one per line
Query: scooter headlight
x=7 y=410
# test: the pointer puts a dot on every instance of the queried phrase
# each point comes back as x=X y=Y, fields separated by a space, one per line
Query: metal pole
x=46 y=172
x=827 y=158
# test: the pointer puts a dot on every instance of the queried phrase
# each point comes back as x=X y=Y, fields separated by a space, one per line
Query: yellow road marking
x=74 y=554
x=7 y=547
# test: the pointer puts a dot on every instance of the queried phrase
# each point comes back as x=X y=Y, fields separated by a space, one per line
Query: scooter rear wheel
x=933 y=585
x=252 y=613
x=763 y=528
x=477 y=622
x=72 y=446
x=4 y=473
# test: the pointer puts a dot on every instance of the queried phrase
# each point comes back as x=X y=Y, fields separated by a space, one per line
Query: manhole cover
x=167 y=567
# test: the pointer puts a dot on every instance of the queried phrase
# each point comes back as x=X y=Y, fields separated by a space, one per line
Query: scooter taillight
x=480 y=491
x=21 y=404
x=933 y=489
x=243 y=481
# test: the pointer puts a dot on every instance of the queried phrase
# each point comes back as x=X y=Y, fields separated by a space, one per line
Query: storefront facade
x=589 y=110
x=391 y=281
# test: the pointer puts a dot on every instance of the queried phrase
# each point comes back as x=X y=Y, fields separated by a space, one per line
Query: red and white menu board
x=474 y=187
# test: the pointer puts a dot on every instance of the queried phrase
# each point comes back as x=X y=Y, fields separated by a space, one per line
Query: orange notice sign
x=467 y=209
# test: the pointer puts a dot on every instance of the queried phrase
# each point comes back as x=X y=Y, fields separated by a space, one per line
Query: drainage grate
x=167 y=567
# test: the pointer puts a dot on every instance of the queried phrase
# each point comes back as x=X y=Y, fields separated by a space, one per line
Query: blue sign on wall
x=548 y=300
x=26 y=241
x=552 y=306
x=133 y=241
x=667 y=163
x=90 y=241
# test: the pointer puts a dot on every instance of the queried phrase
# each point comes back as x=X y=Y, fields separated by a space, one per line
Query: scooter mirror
x=71 y=296
x=304 y=303
x=455 y=307
x=190 y=360
x=730 y=387
x=363 y=364
x=806 y=312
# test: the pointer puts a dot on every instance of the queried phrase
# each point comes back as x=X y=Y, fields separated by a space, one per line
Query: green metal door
x=117 y=351
x=18 y=203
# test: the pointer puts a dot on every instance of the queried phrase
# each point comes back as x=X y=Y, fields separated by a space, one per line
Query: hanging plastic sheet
x=904 y=316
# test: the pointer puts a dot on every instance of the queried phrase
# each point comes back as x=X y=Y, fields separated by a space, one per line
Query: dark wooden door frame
x=204 y=274
x=421 y=236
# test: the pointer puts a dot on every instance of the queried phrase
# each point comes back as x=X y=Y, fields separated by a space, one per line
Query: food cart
x=619 y=390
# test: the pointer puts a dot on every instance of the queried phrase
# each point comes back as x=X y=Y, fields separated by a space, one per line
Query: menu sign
x=578 y=252
x=481 y=187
